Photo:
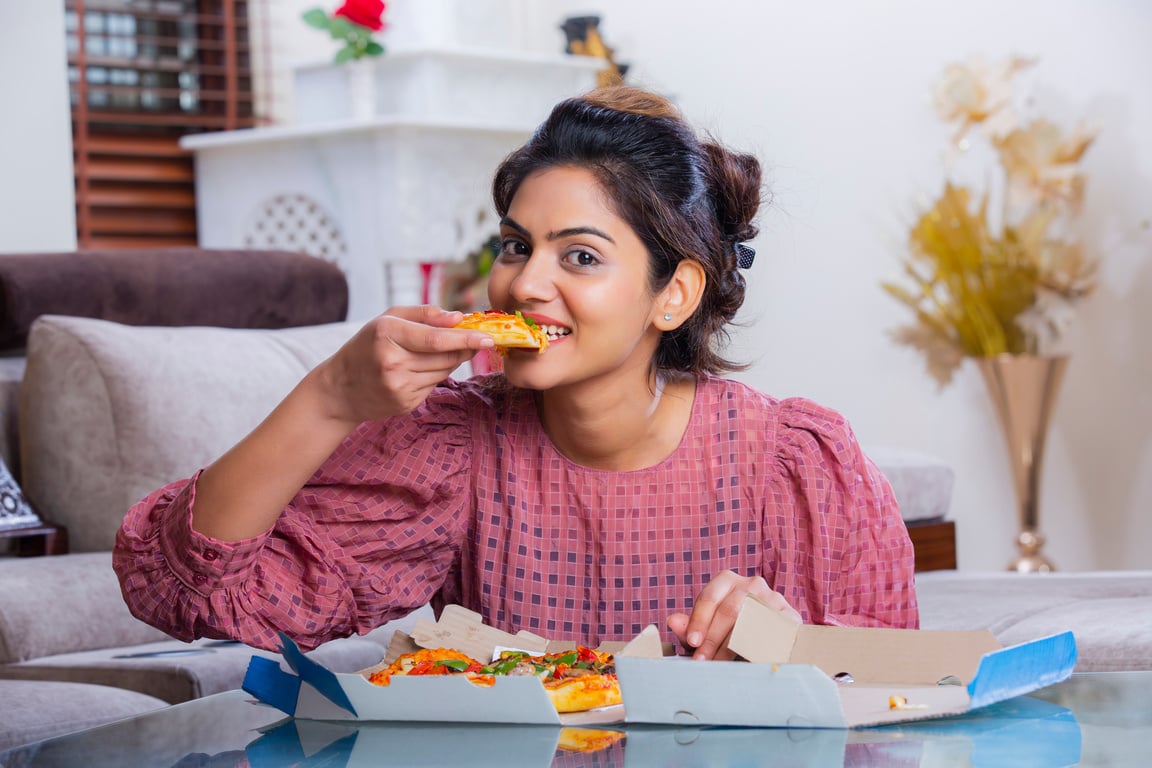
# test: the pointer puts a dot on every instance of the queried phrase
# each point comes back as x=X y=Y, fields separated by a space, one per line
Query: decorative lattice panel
x=296 y=223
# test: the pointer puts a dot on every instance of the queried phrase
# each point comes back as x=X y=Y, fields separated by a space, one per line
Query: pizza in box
x=575 y=680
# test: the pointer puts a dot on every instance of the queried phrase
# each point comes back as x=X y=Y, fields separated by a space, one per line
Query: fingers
x=678 y=624
x=705 y=632
x=428 y=329
x=394 y=361
x=713 y=616
x=427 y=314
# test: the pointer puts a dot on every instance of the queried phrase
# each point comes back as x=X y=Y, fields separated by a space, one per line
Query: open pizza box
x=798 y=677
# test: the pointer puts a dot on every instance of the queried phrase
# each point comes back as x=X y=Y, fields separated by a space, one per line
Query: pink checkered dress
x=466 y=500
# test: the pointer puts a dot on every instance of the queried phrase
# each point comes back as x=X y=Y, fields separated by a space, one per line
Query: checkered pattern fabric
x=466 y=500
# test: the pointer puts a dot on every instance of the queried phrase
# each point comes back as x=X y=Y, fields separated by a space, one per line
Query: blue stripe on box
x=319 y=677
x=1022 y=669
x=272 y=685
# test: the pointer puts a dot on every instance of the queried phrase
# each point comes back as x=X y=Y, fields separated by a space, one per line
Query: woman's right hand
x=391 y=365
x=388 y=368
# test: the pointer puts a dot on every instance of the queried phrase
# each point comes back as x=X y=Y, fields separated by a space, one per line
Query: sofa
x=108 y=411
x=96 y=413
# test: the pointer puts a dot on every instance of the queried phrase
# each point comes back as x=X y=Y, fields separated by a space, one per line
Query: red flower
x=366 y=13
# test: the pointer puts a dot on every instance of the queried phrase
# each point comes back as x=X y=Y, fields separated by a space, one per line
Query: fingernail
x=695 y=638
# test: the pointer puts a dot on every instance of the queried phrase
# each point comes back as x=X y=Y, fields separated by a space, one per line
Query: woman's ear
x=681 y=296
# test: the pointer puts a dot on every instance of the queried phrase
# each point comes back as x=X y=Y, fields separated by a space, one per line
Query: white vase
x=361 y=75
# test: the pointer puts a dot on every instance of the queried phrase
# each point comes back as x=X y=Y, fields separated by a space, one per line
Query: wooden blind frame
x=186 y=69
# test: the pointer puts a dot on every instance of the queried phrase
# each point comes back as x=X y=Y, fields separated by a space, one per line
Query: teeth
x=555 y=331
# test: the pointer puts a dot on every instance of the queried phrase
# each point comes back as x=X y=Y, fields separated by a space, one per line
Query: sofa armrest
x=63 y=604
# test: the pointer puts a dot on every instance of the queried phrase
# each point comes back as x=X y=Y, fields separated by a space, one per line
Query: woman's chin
x=528 y=370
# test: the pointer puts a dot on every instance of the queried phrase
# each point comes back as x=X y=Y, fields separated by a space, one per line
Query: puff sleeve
x=370 y=538
x=837 y=546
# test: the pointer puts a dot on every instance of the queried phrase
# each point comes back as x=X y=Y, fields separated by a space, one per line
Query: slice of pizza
x=575 y=681
x=579 y=694
x=509 y=330
x=433 y=661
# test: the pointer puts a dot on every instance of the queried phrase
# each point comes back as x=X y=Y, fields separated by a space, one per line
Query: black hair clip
x=744 y=255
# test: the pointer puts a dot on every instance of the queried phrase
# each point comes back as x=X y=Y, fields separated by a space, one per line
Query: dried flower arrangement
x=998 y=273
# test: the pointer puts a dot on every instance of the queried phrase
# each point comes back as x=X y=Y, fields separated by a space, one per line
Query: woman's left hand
x=705 y=633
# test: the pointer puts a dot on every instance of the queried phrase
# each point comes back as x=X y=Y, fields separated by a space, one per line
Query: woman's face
x=571 y=264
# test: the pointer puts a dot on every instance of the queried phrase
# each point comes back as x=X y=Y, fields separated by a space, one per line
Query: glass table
x=1090 y=719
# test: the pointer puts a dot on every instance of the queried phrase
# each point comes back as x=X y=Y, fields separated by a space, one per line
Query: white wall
x=37 y=198
x=835 y=98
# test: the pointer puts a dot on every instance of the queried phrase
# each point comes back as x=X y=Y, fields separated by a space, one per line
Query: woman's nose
x=534 y=281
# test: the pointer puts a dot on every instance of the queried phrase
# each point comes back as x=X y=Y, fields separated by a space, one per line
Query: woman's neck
x=619 y=427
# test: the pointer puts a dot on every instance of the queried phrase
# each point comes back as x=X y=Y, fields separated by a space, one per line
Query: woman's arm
x=844 y=555
x=387 y=369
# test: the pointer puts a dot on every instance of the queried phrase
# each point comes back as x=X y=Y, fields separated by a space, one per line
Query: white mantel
x=388 y=165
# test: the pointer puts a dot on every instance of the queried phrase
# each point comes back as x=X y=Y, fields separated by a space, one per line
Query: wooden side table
x=935 y=544
x=37 y=539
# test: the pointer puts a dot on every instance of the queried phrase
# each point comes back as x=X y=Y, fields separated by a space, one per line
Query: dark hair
x=685 y=198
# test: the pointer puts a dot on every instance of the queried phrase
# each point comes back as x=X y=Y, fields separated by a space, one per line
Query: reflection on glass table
x=1091 y=719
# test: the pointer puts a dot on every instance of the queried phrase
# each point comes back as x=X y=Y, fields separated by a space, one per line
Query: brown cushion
x=170 y=287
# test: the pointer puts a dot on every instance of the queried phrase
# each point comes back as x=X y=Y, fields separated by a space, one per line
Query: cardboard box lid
x=763 y=634
x=938 y=673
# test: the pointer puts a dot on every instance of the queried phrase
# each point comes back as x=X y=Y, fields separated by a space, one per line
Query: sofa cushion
x=63 y=619
x=110 y=412
x=170 y=286
x=64 y=604
x=33 y=711
x=1109 y=612
x=174 y=671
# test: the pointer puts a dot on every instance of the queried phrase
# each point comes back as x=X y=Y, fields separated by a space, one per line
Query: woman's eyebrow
x=580 y=231
x=507 y=221
x=569 y=232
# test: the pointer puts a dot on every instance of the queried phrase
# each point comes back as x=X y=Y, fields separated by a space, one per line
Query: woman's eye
x=510 y=248
x=581 y=258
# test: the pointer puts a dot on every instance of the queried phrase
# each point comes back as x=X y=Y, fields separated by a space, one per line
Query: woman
x=612 y=481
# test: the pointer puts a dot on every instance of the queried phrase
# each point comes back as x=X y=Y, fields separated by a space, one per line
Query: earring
x=667 y=316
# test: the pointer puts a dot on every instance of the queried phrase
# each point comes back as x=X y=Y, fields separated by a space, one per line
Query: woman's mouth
x=555 y=332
